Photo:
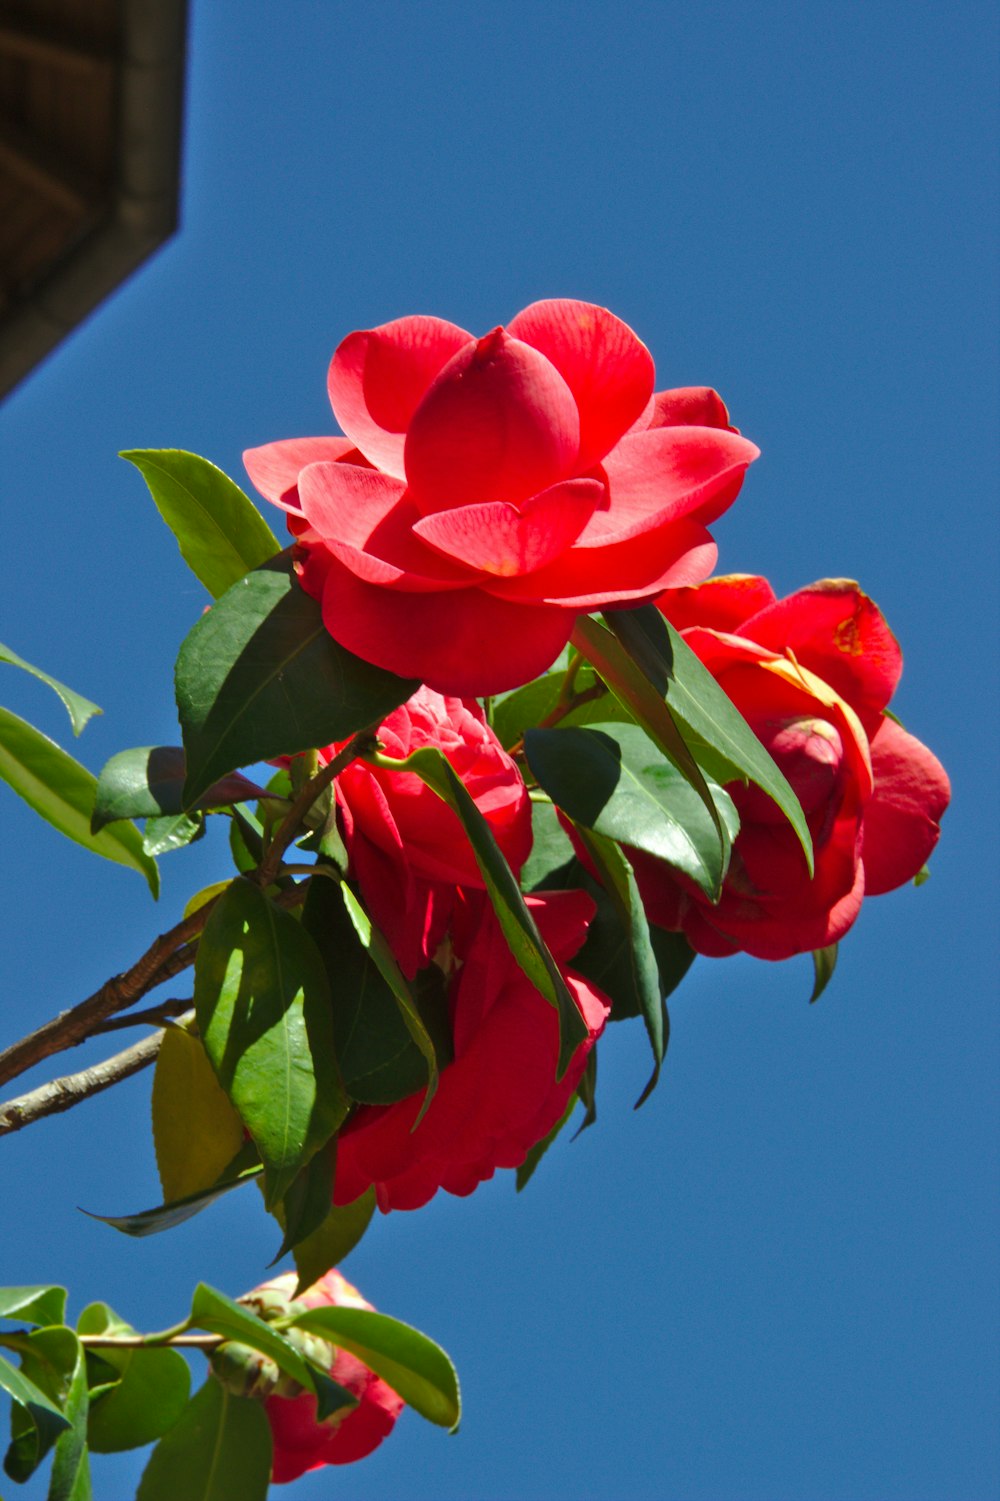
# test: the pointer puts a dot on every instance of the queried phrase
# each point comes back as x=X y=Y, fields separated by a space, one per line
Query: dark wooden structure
x=91 y=103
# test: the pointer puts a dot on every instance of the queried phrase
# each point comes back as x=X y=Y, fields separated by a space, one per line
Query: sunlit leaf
x=196 y=1131
x=33 y=1305
x=824 y=964
x=80 y=709
x=218 y=1450
x=148 y=1395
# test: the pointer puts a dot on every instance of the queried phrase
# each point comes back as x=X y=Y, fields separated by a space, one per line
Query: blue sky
x=776 y=1282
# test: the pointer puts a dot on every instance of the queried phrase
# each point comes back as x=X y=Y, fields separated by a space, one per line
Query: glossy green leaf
x=307 y=1201
x=213 y=1311
x=148 y=782
x=243 y=1169
x=264 y=1013
x=527 y=706
x=824 y=964
x=526 y=1171
x=196 y=1131
x=79 y=709
x=162 y=835
x=615 y=782
x=519 y=927
x=49 y=1360
x=70 y=1478
x=259 y=676
x=379 y=1060
x=147 y=1395
x=707 y=715
x=218 y=1450
x=220 y=532
x=551 y=850
x=339 y=1233
x=33 y=1407
x=62 y=792
x=33 y=1305
x=618 y=880
x=413 y=1365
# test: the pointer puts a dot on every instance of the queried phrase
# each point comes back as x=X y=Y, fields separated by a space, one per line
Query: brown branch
x=153 y=1016
x=269 y=867
x=63 y=1094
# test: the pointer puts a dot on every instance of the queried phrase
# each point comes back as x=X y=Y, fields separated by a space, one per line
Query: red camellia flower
x=489 y=490
x=408 y=850
x=500 y=1094
x=812 y=674
x=300 y=1442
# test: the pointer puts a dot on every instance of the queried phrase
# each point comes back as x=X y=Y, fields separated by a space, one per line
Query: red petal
x=901 y=824
x=687 y=406
x=499 y=423
x=837 y=632
x=620 y=574
x=606 y=366
x=503 y=539
x=464 y=642
x=274 y=468
x=661 y=475
x=378 y=376
x=719 y=604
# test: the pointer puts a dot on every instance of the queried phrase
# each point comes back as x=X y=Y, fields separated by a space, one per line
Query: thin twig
x=153 y=1016
x=149 y=1342
x=63 y=1094
x=314 y=788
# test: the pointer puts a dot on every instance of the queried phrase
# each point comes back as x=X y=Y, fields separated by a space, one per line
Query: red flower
x=500 y=1095
x=812 y=674
x=489 y=490
x=408 y=850
x=300 y=1442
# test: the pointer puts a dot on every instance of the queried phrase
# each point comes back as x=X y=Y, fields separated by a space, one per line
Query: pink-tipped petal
x=378 y=376
x=606 y=366
x=902 y=821
x=498 y=424
x=274 y=468
x=506 y=540
x=836 y=631
x=661 y=475
x=719 y=604
x=465 y=642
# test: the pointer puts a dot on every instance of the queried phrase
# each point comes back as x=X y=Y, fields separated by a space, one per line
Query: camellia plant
x=526 y=760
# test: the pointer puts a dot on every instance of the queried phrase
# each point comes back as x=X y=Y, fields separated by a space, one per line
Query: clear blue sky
x=776 y=1282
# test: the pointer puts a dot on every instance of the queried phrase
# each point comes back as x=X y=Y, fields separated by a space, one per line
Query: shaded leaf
x=307 y=1202
x=220 y=532
x=537 y=1152
x=339 y=1233
x=413 y=1365
x=264 y=1013
x=824 y=964
x=243 y=1169
x=260 y=676
x=62 y=792
x=196 y=1131
x=80 y=710
x=147 y=1396
x=519 y=928
x=148 y=781
x=218 y=1314
x=49 y=1360
x=218 y=1450
x=36 y=1407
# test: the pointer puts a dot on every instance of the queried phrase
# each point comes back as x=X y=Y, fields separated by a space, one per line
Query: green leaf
x=243 y=1169
x=37 y=1410
x=264 y=1013
x=62 y=791
x=618 y=785
x=413 y=1365
x=307 y=1202
x=526 y=1171
x=196 y=1131
x=379 y=1060
x=922 y=875
x=709 y=715
x=218 y=1314
x=550 y=847
x=259 y=675
x=618 y=880
x=220 y=532
x=644 y=635
x=519 y=927
x=49 y=1359
x=218 y=1450
x=70 y=1479
x=824 y=964
x=80 y=709
x=327 y=1246
x=33 y=1305
x=148 y=1395
x=161 y=835
x=381 y=955
x=148 y=782
x=527 y=706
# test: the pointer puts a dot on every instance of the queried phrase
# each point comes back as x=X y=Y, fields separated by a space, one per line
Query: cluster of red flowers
x=488 y=491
